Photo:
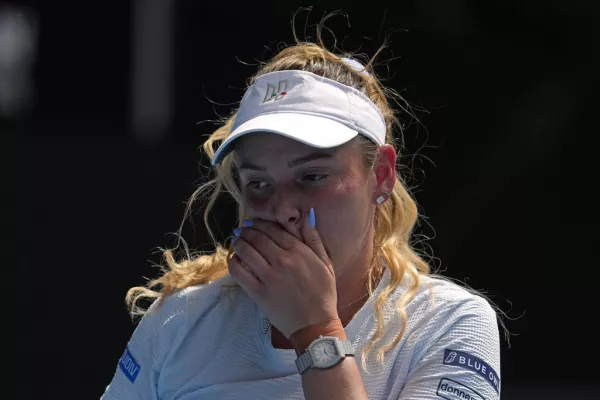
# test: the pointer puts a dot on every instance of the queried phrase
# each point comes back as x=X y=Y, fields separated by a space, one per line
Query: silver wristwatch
x=324 y=352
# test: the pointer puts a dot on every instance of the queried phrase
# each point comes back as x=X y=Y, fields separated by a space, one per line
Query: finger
x=263 y=244
x=243 y=275
x=251 y=256
x=311 y=236
x=276 y=233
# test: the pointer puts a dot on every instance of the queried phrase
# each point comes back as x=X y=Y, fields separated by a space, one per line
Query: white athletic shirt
x=211 y=343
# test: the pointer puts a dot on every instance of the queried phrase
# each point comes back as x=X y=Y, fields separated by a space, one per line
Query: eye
x=314 y=178
x=257 y=185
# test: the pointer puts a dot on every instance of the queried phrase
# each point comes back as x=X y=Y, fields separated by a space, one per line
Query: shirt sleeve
x=138 y=368
x=460 y=358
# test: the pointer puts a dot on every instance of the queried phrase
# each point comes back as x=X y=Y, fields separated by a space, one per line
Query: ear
x=385 y=173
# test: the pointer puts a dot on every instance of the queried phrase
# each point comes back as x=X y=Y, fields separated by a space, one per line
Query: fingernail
x=234 y=240
x=247 y=222
x=311 y=218
x=237 y=231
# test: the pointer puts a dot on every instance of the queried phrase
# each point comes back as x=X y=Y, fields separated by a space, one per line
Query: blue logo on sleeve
x=129 y=366
x=475 y=364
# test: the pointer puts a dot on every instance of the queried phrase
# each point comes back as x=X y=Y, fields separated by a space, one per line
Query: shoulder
x=439 y=309
x=178 y=309
x=170 y=317
x=162 y=329
x=452 y=334
x=444 y=312
x=453 y=318
x=445 y=297
x=436 y=304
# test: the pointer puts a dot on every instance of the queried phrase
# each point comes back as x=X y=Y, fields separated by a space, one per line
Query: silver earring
x=382 y=198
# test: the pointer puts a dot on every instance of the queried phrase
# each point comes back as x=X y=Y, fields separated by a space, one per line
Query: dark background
x=511 y=98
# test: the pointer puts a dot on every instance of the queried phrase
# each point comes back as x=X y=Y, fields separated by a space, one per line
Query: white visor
x=316 y=111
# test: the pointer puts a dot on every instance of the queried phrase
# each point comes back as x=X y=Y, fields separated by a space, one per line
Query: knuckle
x=284 y=261
x=314 y=240
x=297 y=246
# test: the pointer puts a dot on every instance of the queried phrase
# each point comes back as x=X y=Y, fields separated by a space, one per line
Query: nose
x=287 y=210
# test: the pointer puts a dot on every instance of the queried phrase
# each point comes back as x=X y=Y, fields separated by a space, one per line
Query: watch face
x=324 y=353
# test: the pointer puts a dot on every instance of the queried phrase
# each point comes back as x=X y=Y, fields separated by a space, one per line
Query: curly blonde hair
x=394 y=220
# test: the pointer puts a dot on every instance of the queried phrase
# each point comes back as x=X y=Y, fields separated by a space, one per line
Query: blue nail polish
x=247 y=222
x=311 y=218
x=237 y=231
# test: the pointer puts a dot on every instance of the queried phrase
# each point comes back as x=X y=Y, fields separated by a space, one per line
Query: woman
x=320 y=294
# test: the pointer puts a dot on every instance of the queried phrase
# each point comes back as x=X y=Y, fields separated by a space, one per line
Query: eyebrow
x=294 y=163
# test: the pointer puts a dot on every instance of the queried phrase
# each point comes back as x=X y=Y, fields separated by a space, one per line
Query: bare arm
x=341 y=381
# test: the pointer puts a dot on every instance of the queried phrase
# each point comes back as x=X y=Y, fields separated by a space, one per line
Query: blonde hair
x=393 y=222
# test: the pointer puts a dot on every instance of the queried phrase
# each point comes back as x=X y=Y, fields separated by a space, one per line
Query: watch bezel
x=338 y=347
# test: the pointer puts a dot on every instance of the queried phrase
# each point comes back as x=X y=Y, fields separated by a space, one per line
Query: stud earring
x=382 y=198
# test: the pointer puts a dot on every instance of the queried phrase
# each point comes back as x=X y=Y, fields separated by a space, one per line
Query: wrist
x=302 y=338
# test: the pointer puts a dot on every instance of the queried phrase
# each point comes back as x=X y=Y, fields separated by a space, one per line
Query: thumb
x=311 y=237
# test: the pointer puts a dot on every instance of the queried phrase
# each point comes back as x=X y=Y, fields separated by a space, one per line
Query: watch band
x=305 y=361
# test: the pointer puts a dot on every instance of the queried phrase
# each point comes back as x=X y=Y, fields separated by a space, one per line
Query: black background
x=510 y=93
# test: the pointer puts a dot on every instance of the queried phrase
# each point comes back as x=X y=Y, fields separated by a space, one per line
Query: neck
x=352 y=283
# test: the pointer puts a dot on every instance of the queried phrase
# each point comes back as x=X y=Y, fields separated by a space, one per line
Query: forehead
x=269 y=147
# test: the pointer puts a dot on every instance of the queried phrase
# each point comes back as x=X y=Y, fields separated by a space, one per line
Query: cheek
x=343 y=193
x=341 y=209
x=344 y=227
x=255 y=205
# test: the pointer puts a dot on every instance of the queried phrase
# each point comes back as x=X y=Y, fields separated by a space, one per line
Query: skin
x=299 y=275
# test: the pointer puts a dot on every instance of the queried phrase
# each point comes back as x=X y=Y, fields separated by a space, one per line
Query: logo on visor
x=276 y=92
